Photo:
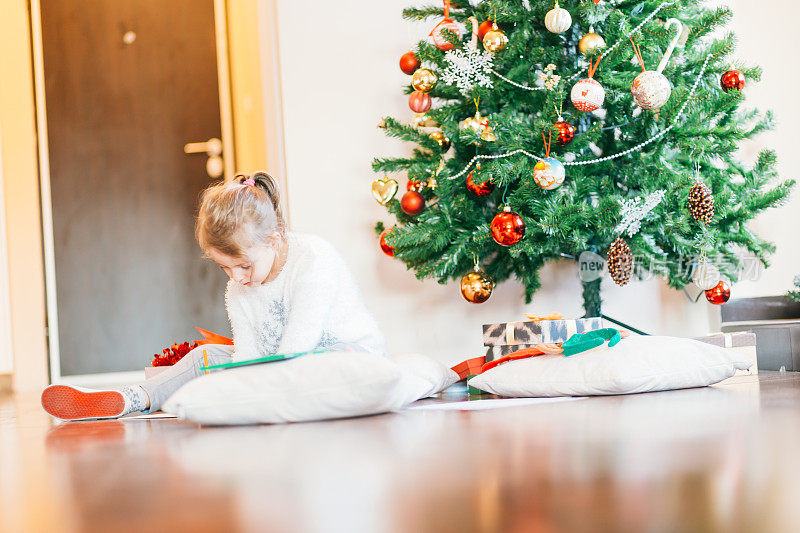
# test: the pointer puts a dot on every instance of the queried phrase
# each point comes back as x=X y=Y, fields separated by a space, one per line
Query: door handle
x=213 y=146
x=213 y=149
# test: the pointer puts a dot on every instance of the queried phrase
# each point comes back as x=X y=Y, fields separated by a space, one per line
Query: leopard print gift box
x=496 y=352
x=537 y=331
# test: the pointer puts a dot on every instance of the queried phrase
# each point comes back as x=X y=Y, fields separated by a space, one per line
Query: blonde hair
x=235 y=215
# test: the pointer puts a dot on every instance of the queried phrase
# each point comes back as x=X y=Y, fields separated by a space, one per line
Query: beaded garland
x=608 y=157
x=607 y=52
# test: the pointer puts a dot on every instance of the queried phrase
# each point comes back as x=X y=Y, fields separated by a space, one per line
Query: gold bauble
x=423 y=80
x=384 y=190
x=591 y=43
x=421 y=120
x=441 y=140
x=476 y=286
x=472 y=123
x=488 y=134
x=495 y=40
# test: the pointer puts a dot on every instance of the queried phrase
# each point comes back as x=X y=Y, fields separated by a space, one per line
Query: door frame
x=226 y=120
x=6 y=354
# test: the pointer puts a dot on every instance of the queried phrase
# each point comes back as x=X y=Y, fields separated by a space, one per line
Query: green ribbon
x=581 y=342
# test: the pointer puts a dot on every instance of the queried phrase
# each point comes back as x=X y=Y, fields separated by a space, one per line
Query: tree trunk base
x=591 y=298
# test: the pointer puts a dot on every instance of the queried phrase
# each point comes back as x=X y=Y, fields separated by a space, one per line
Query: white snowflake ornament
x=467 y=68
x=635 y=209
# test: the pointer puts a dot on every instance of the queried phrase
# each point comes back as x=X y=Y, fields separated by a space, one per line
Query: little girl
x=287 y=293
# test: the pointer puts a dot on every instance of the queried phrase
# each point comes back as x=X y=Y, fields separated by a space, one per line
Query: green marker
x=268 y=359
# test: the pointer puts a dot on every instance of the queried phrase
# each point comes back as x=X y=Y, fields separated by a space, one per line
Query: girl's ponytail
x=270 y=185
x=239 y=213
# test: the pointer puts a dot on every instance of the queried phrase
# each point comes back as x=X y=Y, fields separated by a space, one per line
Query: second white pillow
x=635 y=364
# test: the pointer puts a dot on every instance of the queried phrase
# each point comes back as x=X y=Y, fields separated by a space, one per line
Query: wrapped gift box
x=496 y=352
x=743 y=342
x=537 y=331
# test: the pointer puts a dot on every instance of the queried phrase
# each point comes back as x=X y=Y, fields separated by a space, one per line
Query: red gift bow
x=175 y=352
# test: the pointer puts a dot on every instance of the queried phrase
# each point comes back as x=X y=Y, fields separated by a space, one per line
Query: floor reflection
x=721 y=458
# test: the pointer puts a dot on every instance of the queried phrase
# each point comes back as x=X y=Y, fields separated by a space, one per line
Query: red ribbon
x=593 y=67
x=213 y=338
x=519 y=354
x=638 y=53
x=470 y=367
x=547 y=143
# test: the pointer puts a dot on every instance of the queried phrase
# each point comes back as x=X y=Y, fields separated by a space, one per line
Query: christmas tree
x=794 y=294
x=544 y=131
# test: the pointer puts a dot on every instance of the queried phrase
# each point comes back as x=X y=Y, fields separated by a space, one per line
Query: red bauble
x=483 y=29
x=507 y=228
x=413 y=184
x=484 y=189
x=412 y=203
x=733 y=79
x=388 y=250
x=439 y=39
x=419 y=102
x=719 y=294
x=566 y=131
x=409 y=63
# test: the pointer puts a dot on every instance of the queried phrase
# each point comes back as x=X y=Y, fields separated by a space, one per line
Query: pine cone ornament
x=701 y=203
x=620 y=261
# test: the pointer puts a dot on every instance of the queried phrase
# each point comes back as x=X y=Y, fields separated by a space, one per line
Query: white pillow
x=310 y=387
x=434 y=372
x=635 y=364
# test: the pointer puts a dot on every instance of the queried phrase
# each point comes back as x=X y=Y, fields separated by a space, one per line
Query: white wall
x=340 y=76
x=772 y=46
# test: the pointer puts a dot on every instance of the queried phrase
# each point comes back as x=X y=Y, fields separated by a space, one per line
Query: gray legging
x=162 y=386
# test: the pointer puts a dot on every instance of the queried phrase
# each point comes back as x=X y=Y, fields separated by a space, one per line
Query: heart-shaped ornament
x=384 y=190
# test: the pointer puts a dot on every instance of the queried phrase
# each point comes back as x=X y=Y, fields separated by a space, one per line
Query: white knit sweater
x=312 y=304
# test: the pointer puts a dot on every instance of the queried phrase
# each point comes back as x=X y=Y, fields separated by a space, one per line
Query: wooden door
x=127 y=84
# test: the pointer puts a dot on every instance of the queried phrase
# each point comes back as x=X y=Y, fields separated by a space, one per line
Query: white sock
x=135 y=399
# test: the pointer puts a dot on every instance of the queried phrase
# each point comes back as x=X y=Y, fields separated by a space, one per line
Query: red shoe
x=76 y=403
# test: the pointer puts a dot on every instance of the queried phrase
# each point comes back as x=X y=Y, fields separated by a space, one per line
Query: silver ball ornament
x=705 y=275
x=558 y=20
x=651 y=90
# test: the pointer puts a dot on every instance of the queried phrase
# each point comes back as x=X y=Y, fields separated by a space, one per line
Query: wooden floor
x=724 y=458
